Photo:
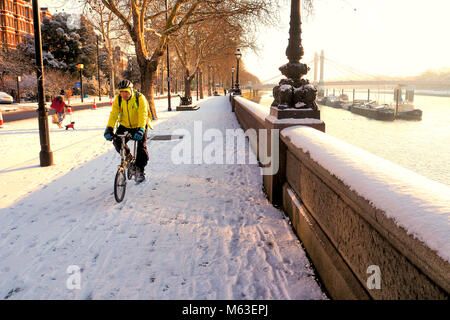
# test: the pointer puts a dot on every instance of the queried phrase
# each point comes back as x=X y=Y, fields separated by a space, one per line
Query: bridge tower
x=316 y=64
x=321 y=86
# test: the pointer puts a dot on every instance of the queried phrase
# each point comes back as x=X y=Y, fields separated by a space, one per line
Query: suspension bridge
x=350 y=76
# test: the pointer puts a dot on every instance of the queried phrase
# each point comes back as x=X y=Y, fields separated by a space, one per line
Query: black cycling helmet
x=124 y=84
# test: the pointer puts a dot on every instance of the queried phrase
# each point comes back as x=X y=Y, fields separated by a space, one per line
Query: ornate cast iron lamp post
x=295 y=92
x=238 y=56
x=232 y=79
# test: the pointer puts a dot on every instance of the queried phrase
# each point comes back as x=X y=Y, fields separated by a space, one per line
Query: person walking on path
x=60 y=110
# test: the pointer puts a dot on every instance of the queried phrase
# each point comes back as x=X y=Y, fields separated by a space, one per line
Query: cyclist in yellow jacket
x=132 y=110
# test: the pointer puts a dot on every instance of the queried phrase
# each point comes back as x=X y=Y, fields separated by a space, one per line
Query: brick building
x=120 y=59
x=16 y=21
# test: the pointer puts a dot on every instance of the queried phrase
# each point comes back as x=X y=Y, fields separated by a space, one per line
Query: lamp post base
x=46 y=158
x=191 y=107
x=294 y=113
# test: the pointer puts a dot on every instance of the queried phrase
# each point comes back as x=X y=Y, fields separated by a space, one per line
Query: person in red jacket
x=60 y=108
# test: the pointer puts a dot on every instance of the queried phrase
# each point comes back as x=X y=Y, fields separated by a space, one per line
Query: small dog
x=71 y=125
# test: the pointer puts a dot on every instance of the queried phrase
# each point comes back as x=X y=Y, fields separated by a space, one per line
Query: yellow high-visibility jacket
x=128 y=114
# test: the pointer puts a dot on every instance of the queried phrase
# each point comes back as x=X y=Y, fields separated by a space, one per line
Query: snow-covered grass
x=420 y=205
x=187 y=232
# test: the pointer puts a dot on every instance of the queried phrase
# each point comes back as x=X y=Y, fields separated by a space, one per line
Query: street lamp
x=80 y=67
x=98 y=74
x=169 y=107
x=285 y=96
x=201 y=83
x=238 y=56
x=18 y=88
x=232 y=78
x=197 y=83
x=214 y=79
x=209 y=80
x=46 y=154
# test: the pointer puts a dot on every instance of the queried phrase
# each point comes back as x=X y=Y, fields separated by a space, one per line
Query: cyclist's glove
x=139 y=134
x=108 y=133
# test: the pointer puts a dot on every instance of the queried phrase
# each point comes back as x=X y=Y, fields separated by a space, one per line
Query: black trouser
x=141 y=152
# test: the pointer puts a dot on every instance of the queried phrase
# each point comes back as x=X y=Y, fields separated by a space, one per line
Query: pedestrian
x=60 y=110
x=131 y=109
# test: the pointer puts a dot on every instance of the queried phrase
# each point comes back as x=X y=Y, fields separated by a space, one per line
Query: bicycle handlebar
x=125 y=135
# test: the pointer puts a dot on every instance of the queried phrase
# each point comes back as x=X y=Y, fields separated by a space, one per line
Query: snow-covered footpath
x=188 y=232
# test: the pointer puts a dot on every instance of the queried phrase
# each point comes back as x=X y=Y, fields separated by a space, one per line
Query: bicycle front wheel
x=120 y=185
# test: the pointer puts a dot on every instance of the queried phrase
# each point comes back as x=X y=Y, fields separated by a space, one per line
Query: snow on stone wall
x=419 y=205
x=258 y=110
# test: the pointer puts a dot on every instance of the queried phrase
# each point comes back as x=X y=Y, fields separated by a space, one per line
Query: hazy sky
x=392 y=37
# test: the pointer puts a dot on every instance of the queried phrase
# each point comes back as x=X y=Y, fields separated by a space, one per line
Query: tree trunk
x=209 y=82
x=147 y=79
x=162 y=78
x=201 y=84
x=187 y=84
x=113 y=75
x=176 y=83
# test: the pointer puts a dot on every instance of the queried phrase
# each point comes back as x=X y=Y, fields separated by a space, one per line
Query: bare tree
x=12 y=64
x=109 y=26
x=203 y=43
x=141 y=16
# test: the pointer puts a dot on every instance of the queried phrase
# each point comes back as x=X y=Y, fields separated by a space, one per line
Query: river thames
x=421 y=146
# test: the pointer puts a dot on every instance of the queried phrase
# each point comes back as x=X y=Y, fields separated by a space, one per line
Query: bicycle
x=126 y=165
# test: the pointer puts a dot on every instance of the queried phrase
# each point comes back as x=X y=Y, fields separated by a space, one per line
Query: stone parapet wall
x=346 y=236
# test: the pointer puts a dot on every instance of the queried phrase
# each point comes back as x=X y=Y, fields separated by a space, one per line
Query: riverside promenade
x=193 y=230
x=210 y=222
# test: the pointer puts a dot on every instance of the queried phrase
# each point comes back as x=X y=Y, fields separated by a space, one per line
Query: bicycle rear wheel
x=120 y=185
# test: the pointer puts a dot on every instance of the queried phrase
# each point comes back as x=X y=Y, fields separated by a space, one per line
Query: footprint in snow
x=11 y=292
